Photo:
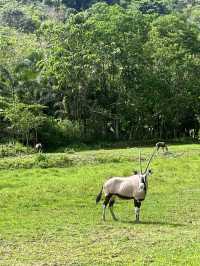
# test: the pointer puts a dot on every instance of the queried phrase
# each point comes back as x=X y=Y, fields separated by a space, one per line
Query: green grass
x=49 y=216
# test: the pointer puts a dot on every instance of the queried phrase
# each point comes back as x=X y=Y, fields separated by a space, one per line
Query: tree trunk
x=27 y=139
x=117 y=129
x=36 y=136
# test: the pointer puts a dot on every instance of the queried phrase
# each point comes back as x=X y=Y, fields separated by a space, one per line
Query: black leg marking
x=137 y=210
x=137 y=203
x=111 y=203
x=105 y=203
x=107 y=199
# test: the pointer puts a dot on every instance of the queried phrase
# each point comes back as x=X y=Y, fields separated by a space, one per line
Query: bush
x=69 y=150
x=17 y=19
x=70 y=130
x=56 y=133
x=41 y=158
x=14 y=149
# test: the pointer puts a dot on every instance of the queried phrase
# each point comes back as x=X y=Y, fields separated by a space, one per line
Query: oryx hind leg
x=105 y=203
x=111 y=203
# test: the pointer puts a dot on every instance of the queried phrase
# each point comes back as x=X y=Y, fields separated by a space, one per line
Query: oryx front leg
x=105 y=203
x=137 y=205
x=111 y=203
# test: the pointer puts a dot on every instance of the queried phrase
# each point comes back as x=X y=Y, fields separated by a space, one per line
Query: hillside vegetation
x=78 y=71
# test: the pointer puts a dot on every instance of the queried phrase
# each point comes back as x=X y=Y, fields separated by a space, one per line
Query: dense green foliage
x=118 y=70
x=49 y=216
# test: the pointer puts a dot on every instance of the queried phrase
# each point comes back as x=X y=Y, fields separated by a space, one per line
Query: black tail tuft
x=98 y=198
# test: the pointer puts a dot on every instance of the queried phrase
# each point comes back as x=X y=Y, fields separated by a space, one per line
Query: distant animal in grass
x=131 y=187
x=162 y=145
x=38 y=147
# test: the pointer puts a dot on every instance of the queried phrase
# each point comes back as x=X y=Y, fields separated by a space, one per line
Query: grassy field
x=49 y=216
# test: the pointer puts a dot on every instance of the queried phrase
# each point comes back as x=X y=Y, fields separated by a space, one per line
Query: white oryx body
x=131 y=187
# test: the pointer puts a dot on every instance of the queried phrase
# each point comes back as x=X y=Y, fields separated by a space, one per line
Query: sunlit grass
x=49 y=216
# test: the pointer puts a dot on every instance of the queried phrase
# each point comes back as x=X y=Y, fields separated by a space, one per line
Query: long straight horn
x=140 y=162
x=150 y=159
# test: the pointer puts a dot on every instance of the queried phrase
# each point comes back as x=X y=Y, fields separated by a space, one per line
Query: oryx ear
x=150 y=172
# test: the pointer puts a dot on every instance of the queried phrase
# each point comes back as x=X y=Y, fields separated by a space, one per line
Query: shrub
x=14 y=149
x=56 y=133
x=17 y=19
x=69 y=150
x=41 y=158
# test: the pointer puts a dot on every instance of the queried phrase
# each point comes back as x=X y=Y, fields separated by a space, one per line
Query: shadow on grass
x=154 y=223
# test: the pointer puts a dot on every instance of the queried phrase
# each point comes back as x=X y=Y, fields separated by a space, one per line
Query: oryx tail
x=98 y=198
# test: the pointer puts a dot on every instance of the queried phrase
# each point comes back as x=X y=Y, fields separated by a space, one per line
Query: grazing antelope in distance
x=38 y=147
x=131 y=187
x=162 y=145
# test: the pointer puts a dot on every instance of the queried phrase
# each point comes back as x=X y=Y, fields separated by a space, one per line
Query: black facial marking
x=145 y=185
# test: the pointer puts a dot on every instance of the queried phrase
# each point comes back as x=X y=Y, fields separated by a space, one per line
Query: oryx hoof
x=137 y=221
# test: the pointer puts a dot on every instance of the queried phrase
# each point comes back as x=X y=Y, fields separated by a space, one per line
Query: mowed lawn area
x=49 y=216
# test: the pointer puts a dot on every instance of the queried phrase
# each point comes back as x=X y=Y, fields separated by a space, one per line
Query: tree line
x=107 y=71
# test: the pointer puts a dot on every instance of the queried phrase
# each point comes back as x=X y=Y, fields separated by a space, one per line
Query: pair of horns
x=150 y=159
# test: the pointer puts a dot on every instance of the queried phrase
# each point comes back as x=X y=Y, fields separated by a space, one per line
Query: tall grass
x=72 y=158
